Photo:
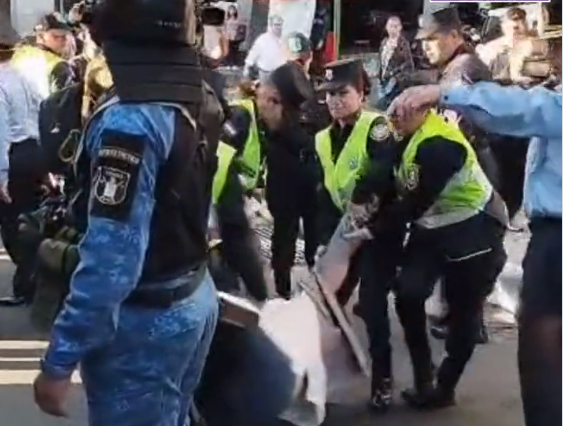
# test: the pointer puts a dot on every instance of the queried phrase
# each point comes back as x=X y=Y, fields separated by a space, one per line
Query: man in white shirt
x=20 y=156
x=268 y=52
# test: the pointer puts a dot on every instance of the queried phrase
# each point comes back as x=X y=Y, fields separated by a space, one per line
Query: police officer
x=356 y=139
x=239 y=245
x=533 y=114
x=456 y=227
x=443 y=43
x=42 y=60
x=289 y=186
x=247 y=380
x=267 y=136
x=142 y=307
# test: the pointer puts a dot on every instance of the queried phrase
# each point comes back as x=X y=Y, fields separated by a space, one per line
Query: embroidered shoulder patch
x=115 y=175
x=380 y=132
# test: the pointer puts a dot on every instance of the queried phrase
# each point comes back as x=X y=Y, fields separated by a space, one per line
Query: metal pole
x=337 y=27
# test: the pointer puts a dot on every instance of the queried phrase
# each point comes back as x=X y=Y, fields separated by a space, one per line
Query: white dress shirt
x=267 y=53
x=19 y=113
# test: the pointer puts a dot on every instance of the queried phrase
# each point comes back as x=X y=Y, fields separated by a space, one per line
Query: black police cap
x=292 y=84
x=341 y=73
x=440 y=21
x=52 y=21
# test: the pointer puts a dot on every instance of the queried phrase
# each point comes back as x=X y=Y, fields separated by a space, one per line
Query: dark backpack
x=59 y=116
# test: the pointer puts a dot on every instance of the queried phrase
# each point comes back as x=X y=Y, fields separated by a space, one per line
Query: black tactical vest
x=177 y=242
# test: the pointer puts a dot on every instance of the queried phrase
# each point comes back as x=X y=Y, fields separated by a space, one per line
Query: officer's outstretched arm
x=436 y=162
x=511 y=110
x=124 y=165
x=239 y=246
x=377 y=177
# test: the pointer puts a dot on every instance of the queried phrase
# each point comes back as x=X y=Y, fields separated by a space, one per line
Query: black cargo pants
x=288 y=211
x=374 y=268
x=469 y=256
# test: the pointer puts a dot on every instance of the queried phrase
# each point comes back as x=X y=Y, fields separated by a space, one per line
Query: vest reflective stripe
x=250 y=162
x=465 y=195
x=36 y=65
x=340 y=177
x=225 y=154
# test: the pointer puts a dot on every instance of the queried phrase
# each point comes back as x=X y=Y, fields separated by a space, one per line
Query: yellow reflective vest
x=465 y=195
x=251 y=162
x=340 y=177
x=36 y=65
x=225 y=154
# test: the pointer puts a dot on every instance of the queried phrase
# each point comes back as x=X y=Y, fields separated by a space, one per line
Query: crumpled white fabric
x=322 y=362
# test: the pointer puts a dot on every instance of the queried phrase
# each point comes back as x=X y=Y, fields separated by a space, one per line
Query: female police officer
x=355 y=139
x=267 y=135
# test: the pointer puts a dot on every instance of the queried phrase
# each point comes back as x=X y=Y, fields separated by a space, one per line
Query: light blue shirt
x=19 y=113
x=534 y=113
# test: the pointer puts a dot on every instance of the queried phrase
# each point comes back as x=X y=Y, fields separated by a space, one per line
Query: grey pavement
x=488 y=395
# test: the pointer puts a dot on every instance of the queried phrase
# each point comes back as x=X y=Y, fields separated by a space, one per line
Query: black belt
x=164 y=298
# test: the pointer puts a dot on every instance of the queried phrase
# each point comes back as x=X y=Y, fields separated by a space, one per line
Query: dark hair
x=363 y=85
x=247 y=89
x=233 y=9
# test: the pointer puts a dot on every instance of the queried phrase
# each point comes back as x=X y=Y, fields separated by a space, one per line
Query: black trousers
x=287 y=216
x=540 y=325
x=469 y=272
x=24 y=186
x=374 y=268
x=510 y=157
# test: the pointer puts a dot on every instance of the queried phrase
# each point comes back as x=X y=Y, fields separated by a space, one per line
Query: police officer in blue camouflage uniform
x=534 y=114
x=142 y=307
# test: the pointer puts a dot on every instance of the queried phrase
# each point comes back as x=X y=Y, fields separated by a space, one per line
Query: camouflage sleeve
x=125 y=162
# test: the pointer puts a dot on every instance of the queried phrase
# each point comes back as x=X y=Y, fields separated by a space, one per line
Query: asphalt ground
x=488 y=394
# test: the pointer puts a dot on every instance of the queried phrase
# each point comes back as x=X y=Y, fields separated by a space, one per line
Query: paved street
x=489 y=393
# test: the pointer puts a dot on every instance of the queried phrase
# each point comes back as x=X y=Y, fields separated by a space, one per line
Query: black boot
x=283 y=283
x=381 y=396
x=428 y=398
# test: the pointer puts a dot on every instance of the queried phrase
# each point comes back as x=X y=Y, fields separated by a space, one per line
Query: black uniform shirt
x=377 y=178
x=438 y=160
x=235 y=130
x=239 y=247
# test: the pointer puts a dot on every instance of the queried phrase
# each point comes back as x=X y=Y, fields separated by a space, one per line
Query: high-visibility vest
x=36 y=65
x=225 y=154
x=340 y=177
x=465 y=195
x=251 y=162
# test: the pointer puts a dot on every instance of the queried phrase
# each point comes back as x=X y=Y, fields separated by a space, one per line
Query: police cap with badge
x=345 y=72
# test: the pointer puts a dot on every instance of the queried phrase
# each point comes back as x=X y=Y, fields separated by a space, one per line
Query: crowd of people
x=157 y=164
